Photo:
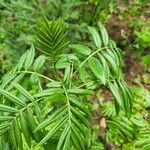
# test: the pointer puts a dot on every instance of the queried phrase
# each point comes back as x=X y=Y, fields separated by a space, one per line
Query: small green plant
x=53 y=111
x=129 y=133
x=143 y=43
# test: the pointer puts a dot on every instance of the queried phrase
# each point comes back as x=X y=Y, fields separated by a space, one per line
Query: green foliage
x=54 y=111
x=51 y=37
x=21 y=15
x=143 y=40
x=49 y=99
x=130 y=133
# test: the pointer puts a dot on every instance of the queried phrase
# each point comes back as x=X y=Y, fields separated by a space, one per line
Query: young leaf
x=22 y=60
x=6 y=118
x=57 y=126
x=32 y=124
x=3 y=131
x=25 y=129
x=83 y=74
x=81 y=49
x=49 y=120
x=79 y=115
x=12 y=98
x=17 y=79
x=51 y=37
x=67 y=141
x=79 y=126
x=67 y=74
x=127 y=97
x=12 y=136
x=80 y=91
x=97 y=69
x=63 y=137
x=29 y=58
x=47 y=92
x=39 y=62
x=18 y=136
x=95 y=36
x=75 y=142
x=104 y=34
x=3 y=126
x=23 y=91
x=8 y=109
x=105 y=65
x=78 y=136
x=112 y=45
x=7 y=80
x=54 y=84
x=111 y=61
x=116 y=94
x=80 y=106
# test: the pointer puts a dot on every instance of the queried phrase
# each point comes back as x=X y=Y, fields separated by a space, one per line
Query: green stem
x=55 y=69
x=87 y=59
x=82 y=85
x=31 y=72
x=71 y=74
x=68 y=103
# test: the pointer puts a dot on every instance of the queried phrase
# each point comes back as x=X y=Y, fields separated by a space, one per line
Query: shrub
x=54 y=110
